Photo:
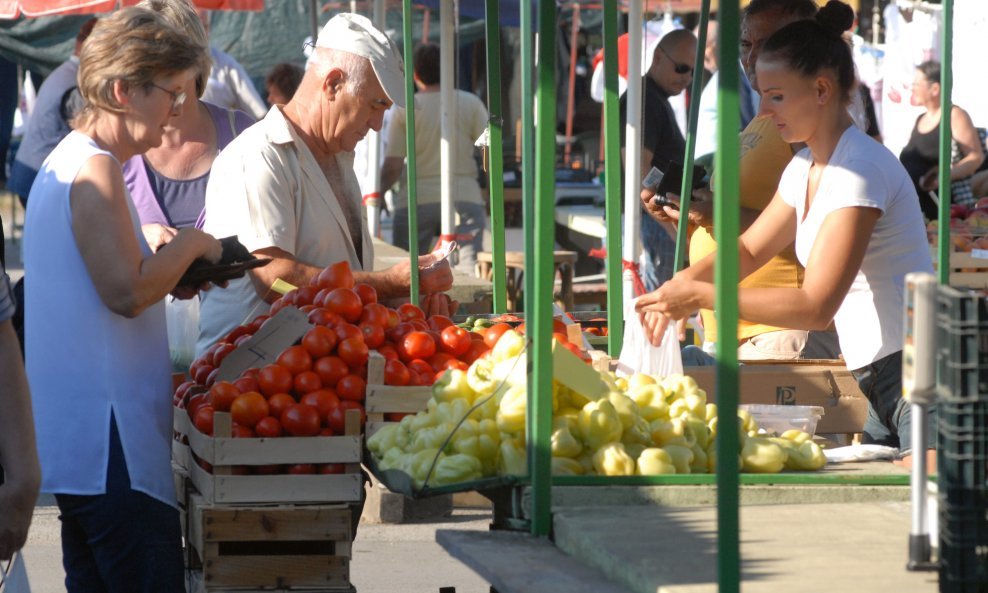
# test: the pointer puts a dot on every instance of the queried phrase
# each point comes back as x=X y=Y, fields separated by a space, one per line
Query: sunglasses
x=178 y=99
x=678 y=67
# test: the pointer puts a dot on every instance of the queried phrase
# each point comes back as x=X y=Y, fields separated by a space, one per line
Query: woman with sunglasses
x=96 y=346
x=852 y=211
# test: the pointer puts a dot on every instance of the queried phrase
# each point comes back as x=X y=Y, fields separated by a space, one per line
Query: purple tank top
x=178 y=203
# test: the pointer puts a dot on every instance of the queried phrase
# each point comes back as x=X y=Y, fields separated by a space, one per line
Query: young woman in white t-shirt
x=852 y=211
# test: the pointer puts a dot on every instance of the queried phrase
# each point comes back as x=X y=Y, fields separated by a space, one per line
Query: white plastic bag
x=638 y=355
x=182 y=317
x=13 y=576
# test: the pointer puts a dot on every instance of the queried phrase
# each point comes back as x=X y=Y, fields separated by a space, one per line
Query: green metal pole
x=413 y=222
x=612 y=180
x=946 y=106
x=527 y=150
x=540 y=326
x=695 y=91
x=495 y=152
x=726 y=230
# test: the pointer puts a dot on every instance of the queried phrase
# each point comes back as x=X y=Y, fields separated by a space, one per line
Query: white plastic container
x=775 y=420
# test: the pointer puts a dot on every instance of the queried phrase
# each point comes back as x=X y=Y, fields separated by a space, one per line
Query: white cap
x=356 y=34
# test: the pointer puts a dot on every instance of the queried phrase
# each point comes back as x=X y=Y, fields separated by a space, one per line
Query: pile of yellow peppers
x=474 y=427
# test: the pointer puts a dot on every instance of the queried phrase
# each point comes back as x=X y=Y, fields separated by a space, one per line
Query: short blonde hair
x=133 y=46
x=183 y=16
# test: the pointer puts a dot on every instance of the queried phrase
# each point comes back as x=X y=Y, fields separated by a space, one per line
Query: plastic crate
x=962 y=410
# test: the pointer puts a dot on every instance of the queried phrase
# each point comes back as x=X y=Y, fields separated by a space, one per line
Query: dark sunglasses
x=678 y=67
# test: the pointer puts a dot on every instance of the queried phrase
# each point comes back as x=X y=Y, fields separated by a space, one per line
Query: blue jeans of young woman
x=889 y=420
x=123 y=541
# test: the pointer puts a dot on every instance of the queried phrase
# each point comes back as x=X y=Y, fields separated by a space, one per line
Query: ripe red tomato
x=366 y=292
x=202 y=373
x=374 y=313
x=330 y=468
x=195 y=402
x=242 y=432
x=353 y=352
x=301 y=469
x=305 y=309
x=393 y=319
x=239 y=341
x=248 y=409
x=222 y=352
x=331 y=369
x=307 y=382
x=439 y=361
x=255 y=325
x=457 y=364
x=278 y=403
x=276 y=306
x=268 y=427
x=388 y=351
x=394 y=416
x=494 y=333
x=240 y=330
x=345 y=331
x=399 y=331
x=222 y=394
x=326 y=432
x=268 y=470
x=181 y=391
x=301 y=420
x=296 y=359
x=476 y=350
x=212 y=377
x=304 y=295
x=373 y=334
x=396 y=373
x=322 y=316
x=337 y=417
x=439 y=322
x=352 y=388
x=455 y=340
x=275 y=378
x=203 y=420
x=336 y=275
x=421 y=367
x=416 y=345
x=319 y=341
x=408 y=311
x=420 y=325
x=323 y=401
x=345 y=303
x=247 y=383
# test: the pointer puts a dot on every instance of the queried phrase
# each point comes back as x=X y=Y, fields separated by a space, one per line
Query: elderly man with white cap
x=287 y=189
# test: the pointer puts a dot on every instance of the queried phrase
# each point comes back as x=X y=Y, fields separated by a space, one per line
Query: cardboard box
x=809 y=383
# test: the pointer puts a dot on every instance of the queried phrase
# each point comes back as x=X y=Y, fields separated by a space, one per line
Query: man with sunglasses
x=662 y=141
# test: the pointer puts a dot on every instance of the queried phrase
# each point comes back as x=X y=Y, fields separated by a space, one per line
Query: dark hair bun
x=836 y=17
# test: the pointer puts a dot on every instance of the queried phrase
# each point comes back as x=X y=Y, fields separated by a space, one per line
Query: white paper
x=860 y=453
x=638 y=355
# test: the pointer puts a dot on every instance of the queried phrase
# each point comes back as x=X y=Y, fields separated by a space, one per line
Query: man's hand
x=438 y=304
x=158 y=235
x=654 y=210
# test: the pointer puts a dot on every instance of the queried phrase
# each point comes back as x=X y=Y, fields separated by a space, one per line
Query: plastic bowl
x=776 y=420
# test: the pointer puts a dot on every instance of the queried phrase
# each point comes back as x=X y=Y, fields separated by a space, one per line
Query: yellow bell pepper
x=651 y=401
x=682 y=457
x=599 y=424
x=511 y=411
x=627 y=410
x=564 y=444
x=456 y=469
x=762 y=456
x=564 y=466
x=612 y=460
x=418 y=465
x=513 y=460
x=433 y=437
x=384 y=439
x=654 y=462
x=509 y=345
x=672 y=432
x=480 y=377
x=451 y=386
x=700 y=462
x=451 y=412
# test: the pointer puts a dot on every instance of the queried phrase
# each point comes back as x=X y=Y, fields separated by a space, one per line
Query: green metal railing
x=495 y=155
x=612 y=186
x=946 y=106
x=412 y=171
x=527 y=152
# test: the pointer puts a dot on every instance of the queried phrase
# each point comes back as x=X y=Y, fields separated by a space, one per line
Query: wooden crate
x=224 y=454
x=968 y=270
x=383 y=399
x=254 y=548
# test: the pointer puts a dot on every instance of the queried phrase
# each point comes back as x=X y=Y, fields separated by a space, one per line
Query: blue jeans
x=889 y=420
x=123 y=541
x=658 y=253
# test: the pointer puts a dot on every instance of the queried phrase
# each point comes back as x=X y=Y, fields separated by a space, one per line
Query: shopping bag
x=638 y=355
x=182 y=317
x=13 y=575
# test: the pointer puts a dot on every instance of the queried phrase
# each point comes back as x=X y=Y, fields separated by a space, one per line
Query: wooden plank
x=295 y=523
x=390 y=398
x=197 y=584
x=279 y=571
x=514 y=562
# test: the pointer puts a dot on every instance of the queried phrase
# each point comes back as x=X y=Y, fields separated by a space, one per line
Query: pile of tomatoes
x=311 y=385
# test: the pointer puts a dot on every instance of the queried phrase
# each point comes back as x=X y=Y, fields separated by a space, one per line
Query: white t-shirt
x=862 y=173
x=471 y=121
x=267 y=188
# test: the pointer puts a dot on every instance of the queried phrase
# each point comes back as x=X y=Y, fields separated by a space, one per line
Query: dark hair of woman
x=810 y=46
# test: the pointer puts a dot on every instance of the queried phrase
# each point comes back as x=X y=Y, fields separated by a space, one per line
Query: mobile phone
x=663 y=201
